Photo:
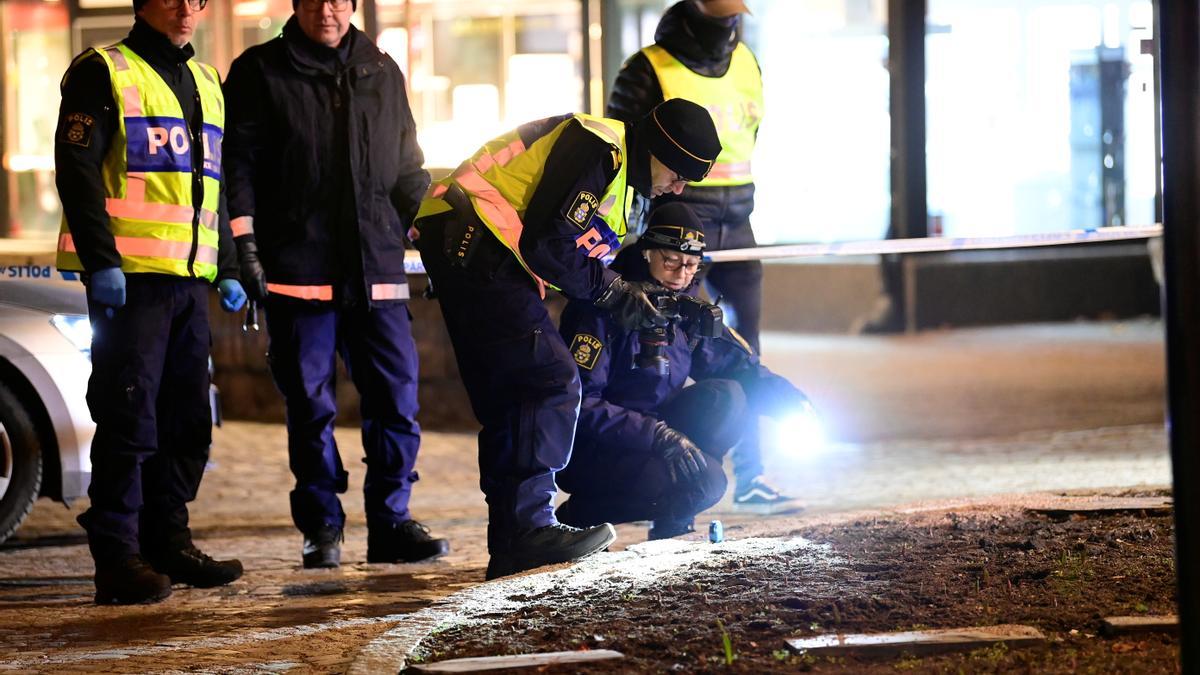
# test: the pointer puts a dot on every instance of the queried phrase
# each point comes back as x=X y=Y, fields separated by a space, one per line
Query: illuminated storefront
x=1016 y=93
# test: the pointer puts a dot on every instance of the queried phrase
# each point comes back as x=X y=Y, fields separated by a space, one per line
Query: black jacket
x=321 y=149
x=705 y=45
x=87 y=100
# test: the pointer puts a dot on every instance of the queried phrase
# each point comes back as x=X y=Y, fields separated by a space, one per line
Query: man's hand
x=107 y=287
x=685 y=460
x=253 y=278
x=629 y=305
x=232 y=295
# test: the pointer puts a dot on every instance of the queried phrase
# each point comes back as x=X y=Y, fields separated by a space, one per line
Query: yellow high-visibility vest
x=147 y=173
x=735 y=101
x=503 y=175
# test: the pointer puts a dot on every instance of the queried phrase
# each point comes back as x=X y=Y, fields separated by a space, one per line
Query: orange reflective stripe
x=146 y=247
x=436 y=190
x=507 y=153
x=242 y=225
x=149 y=211
x=117 y=57
x=730 y=170
x=302 y=292
x=133 y=101
x=496 y=210
x=208 y=219
x=502 y=157
x=389 y=291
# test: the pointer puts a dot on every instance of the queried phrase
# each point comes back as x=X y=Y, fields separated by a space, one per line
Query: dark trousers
x=376 y=344
x=148 y=395
x=608 y=483
x=725 y=213
x=519 y=374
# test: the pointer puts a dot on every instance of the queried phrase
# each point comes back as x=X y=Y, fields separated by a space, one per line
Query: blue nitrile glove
x=107 y=287
x=232 y=295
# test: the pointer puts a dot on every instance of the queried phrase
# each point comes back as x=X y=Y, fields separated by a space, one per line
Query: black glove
x=685 y=460
x=253 y=278
x=629 y=305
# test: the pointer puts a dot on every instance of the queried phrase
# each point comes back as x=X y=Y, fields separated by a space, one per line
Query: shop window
x=1040 y=116
x=36 y=53
x=821 y=161
x=477 y=69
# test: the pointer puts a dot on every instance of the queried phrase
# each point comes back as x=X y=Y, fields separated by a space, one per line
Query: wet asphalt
x=940 y=415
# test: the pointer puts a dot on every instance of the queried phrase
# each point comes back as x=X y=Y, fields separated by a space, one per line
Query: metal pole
x=1179 y=65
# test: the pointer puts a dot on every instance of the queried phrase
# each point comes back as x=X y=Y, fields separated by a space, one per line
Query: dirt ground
x=972 y=567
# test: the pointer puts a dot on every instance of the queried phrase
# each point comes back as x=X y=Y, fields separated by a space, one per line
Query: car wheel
x=20 y=463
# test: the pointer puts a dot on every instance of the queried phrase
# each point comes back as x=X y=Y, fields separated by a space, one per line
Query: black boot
x=667 y=528
x=323 y=548
x=130 y=582
x=189 y=565
x=406 y=542
x=548 y=545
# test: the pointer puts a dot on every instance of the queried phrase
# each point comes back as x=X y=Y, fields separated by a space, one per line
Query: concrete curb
x=488 y=602
x=648 y=561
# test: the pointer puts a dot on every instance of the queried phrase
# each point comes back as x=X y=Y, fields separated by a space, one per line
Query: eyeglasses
x=673 y=263
x=196 y=5
x=335 y=5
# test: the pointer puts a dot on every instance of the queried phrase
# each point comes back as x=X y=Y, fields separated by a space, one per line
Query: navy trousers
x=377 y=346
x=608 y=483
x=148 y=395
x=519 y=374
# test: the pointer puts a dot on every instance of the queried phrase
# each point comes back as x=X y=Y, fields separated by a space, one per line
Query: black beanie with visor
x=681 y=134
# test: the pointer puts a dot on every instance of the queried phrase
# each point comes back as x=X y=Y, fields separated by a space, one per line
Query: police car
x=45 y=427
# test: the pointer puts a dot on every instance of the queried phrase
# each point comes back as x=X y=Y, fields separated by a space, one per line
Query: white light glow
x=77 y=329
x=801 y=434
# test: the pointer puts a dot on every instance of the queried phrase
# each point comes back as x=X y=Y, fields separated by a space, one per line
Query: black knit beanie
x=674 y=226
x=138 y=4
x=682 y=136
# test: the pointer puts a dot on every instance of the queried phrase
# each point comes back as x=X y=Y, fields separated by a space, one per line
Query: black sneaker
x=191 y=566
x=130 y=582
x=758 y=496
x=406 y=542
x=323 y=549
x=666 y=529
x=548 y=545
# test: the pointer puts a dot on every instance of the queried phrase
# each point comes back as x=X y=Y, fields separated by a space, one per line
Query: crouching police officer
x=537 y=207
x=138 y=160
x=647 y=447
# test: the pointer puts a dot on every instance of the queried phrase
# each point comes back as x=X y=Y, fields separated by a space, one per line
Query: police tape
x=936 y=244
x=413 y=264
x=412 y=259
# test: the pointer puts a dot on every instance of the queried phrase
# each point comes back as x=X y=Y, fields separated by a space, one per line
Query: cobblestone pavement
x=956 y=414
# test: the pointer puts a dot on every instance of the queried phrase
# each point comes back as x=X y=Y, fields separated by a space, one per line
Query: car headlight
x=77 y=329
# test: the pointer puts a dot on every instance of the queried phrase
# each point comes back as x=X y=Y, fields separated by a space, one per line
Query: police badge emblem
x=586 y=350
x=582 y=208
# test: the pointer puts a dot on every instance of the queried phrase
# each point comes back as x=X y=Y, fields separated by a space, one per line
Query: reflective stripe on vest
x=501 y=177
x=148 y=172
x=734 y=100
x=302 y=292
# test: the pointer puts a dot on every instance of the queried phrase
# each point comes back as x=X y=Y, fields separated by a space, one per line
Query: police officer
x=697 y=55
x=648 y=447
x=138 y=161
x=535 y=208
x=324 y=179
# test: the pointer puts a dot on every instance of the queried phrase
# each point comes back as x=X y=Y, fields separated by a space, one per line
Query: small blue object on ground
x=716 y=532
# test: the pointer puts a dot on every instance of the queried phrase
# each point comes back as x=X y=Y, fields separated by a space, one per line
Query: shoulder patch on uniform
x=77 y=129
x=582 y=208
x=586 y=350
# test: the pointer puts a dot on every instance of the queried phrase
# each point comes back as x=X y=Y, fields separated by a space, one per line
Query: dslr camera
x=699 y=319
